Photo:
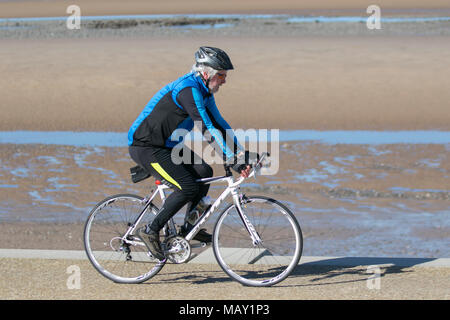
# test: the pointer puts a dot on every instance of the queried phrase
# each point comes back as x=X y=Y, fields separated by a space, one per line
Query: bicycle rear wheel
x=274 y=258
x=118 y=259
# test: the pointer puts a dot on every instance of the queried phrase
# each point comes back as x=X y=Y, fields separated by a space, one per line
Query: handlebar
x=258 y=165
x=255 y=166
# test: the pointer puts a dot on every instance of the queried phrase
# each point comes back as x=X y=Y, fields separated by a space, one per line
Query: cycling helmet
x=214 y=58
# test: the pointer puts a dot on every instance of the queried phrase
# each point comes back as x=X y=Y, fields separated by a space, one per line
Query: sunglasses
x=221 y=76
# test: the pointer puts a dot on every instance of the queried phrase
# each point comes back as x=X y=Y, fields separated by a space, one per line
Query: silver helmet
x=214 y=58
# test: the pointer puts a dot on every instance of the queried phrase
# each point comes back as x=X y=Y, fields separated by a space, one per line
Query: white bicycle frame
x=233 y=189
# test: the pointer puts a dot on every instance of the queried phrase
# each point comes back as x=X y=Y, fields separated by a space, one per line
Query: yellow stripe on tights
x=164 y=174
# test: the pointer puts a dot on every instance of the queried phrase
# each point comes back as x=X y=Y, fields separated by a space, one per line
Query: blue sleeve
x=222 y=124
x=192 y=101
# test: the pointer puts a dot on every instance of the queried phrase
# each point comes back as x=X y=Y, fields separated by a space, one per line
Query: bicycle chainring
x=177 y=249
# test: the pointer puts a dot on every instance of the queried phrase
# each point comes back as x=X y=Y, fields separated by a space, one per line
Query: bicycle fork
x=238 y=199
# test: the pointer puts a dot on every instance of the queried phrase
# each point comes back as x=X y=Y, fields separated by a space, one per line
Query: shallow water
x=203 y=26
x=119 y=139
x=351 y=199
x=285 y=17
x=364 y=19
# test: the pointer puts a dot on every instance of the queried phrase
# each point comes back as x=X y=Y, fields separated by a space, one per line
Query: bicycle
x=257 y=240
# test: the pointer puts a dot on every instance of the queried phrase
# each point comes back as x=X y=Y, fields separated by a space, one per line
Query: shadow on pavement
x=368 y=261
x=322 y=272
x=361 y=267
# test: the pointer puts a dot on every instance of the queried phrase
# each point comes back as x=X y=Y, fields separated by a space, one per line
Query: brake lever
x=257 y=167
x=256 y=171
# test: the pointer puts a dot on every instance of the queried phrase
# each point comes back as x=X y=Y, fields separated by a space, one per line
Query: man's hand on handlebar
x=246 y=171
x=243 y=161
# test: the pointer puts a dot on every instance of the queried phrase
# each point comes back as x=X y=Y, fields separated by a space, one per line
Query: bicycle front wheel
x=268 y=262
x=123 y=260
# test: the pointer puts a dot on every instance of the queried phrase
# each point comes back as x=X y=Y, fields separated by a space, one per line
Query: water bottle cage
x=193 y=216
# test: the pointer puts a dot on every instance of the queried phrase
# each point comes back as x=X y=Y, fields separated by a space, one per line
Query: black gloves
x=243 y=160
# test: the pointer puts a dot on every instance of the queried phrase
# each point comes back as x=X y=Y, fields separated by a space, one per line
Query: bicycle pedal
x=199 y=245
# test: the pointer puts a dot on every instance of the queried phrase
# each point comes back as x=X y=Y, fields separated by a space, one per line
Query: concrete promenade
x=207 y=257
x=63 y=274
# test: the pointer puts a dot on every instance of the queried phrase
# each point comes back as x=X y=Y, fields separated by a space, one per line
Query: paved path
x=60 y=274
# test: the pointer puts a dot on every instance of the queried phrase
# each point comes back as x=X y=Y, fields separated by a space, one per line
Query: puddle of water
x=119 y=139
x=331 y=169
x=400 y=189
x=56 y=186
x=368 y=137
x=430 y=163
x=287 y=18
x=376 y=152
x=203 y=26
x=81 y=162
x=49 y=160
x=20 y=172
x=148 y=17
x=311 y=175
x=345 y=161
x=364 y=19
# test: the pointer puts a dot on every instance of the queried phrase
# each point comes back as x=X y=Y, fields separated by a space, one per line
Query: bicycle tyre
x=268 y=263
x=106 y=223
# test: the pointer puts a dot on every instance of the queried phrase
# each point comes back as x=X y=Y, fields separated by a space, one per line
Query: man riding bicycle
x=177 y=106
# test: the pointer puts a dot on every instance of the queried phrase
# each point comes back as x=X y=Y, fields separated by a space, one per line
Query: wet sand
x=388 y=200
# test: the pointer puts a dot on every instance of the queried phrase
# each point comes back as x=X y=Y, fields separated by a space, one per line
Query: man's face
x=218 y=80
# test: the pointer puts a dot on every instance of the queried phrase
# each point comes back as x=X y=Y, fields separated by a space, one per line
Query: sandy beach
x=302 y=83
x=360 y=199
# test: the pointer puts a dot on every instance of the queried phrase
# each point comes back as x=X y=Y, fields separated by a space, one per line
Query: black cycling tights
x=181 y=178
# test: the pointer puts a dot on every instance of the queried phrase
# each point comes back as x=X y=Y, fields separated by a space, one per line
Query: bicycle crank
x=178 y=250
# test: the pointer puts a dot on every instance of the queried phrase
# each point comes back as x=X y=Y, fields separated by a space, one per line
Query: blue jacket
x=177 y=106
